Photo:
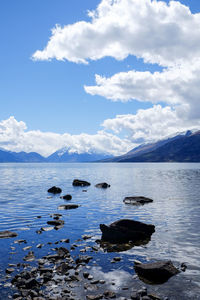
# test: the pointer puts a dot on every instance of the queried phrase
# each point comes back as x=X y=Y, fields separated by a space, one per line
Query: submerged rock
x=68 y=206
x=7 y=234
x=157 y=272
x=103 y=185
x=66 y=197
x=126 y=230
x=78 y=182
x=54 y=190
x=137 y=200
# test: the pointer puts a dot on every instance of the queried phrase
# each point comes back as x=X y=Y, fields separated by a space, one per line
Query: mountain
x=184 y=147
x=63 y=155
x=9 y=156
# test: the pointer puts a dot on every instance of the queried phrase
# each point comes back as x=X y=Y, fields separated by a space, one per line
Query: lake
x=175 y=212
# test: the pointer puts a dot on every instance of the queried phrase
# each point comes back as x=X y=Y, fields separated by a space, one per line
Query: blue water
x=175 y=213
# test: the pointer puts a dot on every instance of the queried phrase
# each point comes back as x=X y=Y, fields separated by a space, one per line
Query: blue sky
x=49 y=95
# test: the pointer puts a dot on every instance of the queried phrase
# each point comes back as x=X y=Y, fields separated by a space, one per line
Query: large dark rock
x=157 y=272
x=126 y=230
x=54 y=190
x=137 y=200
x=78 y=182
x=102 y=185
x=7 y=234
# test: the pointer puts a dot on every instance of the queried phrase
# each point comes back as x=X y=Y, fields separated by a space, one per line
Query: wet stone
x=54 y=190
x=39 y=246
x=9 y=270
x=137 y=200
x=47 y=228
x=83 y=259
x=94 y=297
x=85 y=236
x=65 y=241
x=102 y=185
x=78 y=182
x=66 y=197
x=55 y=222
x=29 y=257
x=27 y=248
x=68 y=206
x=109 y=294
x=7 y=234
x=20 y=241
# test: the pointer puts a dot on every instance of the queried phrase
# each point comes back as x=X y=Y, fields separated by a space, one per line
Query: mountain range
x=62 y=155
x=182 y=147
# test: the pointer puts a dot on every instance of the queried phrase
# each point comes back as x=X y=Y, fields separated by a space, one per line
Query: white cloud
x=14 y=136
x=161 y=33
x=151 y=124
x=175 y=86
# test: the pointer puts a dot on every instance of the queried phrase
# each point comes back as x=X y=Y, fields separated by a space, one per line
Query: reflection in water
x=175 y=211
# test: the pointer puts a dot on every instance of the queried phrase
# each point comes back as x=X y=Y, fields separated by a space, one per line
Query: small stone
x=78 y=182
x=68 y=206
x=54 y=190
x=27 y=248
x=47 y=228
x=183 y=267
x=20 y=241
x=30 y=283
x=55 y=222
x=94 y=281
x=64 y=241
x=109 y=294
x=94 y=297
x=85 y=236
x=66 y=197
x=7 y=234
x=29 y=257
x=102 y=185
x=102 y=281
x=86 y=274
x=9 y=270
x=39 y=245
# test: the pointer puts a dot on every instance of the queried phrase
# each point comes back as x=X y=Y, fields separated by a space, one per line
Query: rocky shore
x=65 y=272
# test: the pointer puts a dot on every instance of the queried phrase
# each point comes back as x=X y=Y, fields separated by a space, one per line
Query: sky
x=97 y=76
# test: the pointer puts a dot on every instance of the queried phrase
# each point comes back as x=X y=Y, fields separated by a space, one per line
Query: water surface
x=175 y=212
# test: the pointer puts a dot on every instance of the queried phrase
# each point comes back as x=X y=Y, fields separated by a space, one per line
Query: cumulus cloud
x=153 y=30
x=151 y=124
x=175 y=86
x=14 y=136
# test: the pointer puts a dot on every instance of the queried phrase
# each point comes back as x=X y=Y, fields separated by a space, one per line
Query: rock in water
x=157 y=272
x=66 y=197
x=69 y=206
x=137 y=200
x=7 y=234
x=56 y=222
x=103 y=185
x=54 y=190
x=126 y=230
x=78 y=182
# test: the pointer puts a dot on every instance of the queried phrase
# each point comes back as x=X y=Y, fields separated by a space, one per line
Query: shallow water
x=175 y=213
